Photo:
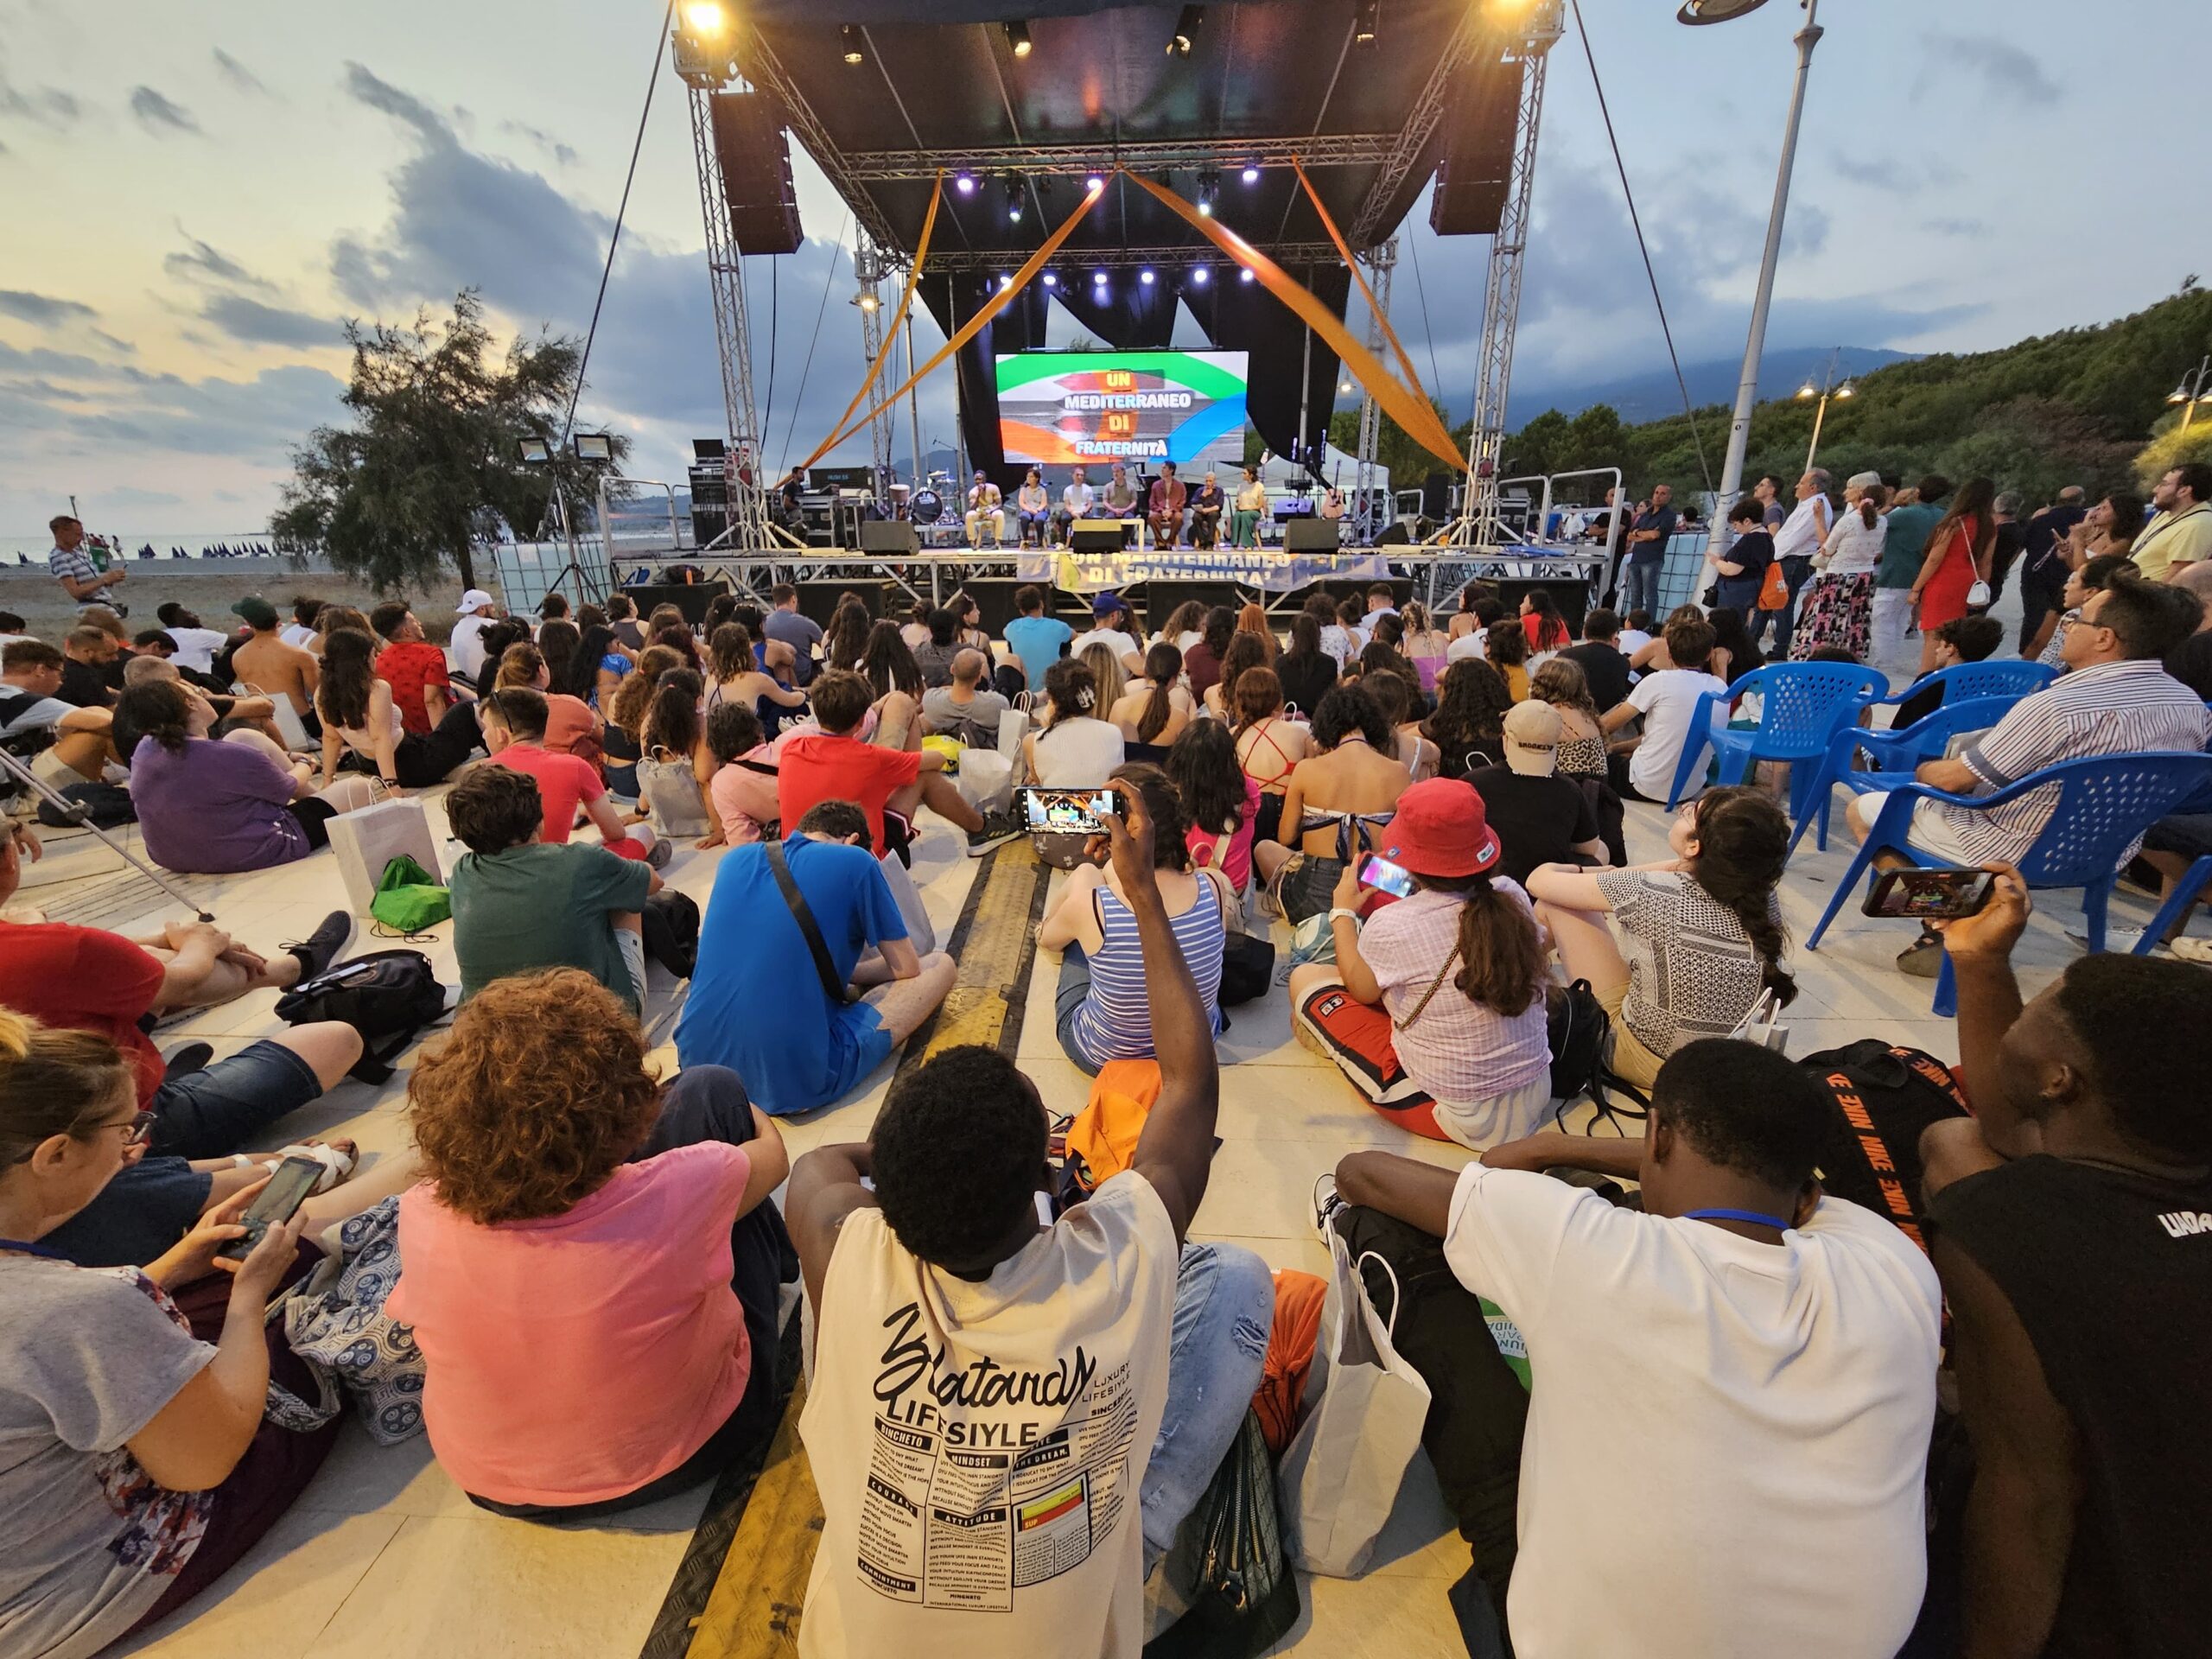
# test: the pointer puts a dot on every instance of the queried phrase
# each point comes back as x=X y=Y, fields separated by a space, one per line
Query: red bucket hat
x=1439 y=829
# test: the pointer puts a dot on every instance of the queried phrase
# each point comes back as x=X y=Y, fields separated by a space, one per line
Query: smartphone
x=273 y=1205
x=1383 y=876
x=1938 y=895
x=1066 y=811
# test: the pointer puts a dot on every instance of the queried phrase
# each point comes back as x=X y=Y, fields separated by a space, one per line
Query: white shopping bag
x=1340 y=1475
x=1014 y=726
x=1762 y=1024
x=985 y=779
x=920 y=932
x=370 y=838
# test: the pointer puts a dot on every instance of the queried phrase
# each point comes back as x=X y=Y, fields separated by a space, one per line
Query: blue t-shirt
x=1039 y=641
x=757 y=1004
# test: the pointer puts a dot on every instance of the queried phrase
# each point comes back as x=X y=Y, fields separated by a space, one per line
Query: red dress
x=1944 y=599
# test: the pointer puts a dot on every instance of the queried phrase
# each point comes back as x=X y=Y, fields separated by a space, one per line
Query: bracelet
x=1352 y=916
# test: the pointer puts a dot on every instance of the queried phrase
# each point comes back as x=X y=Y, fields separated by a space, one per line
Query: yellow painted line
x=753 y=1611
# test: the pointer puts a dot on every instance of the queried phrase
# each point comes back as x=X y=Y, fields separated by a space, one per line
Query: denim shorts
x=214 y=1112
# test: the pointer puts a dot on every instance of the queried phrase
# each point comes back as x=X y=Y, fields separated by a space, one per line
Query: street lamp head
x=1847 y=390
x=2179 y=394
x=1714 y=11
x=706 y=18
x=1808 y=390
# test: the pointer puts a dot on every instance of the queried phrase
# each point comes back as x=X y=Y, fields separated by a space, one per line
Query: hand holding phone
x=1383 y=876
x=1066 y=811
x=1930 y=895
x=278 y=1199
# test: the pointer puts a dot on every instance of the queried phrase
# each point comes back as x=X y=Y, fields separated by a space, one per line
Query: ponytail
x=1742 y=839
x=1501 y=964
x=1161 y=664
x=1871 y=501
x=53 y=1082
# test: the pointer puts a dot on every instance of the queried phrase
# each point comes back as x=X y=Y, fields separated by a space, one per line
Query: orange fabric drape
x=990 y=308
x=838 y=433
x=1413 y=412
x=1343 y=249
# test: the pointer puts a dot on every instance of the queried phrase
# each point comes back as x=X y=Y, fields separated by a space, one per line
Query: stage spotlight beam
x=1187 y=31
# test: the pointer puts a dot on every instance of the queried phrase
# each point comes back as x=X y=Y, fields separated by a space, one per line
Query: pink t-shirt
x=563 y=783
x=576 y=1358
x=744 y=799
x=1232 y=856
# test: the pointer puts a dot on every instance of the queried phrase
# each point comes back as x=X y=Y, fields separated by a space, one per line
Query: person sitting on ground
x=1113 y=625
x=2116 y=698
x=514 y=731
x=1669 y=700
x=1349 y=637
x=743 y=791
x=1155 y=709
x=734 y=676
x=1756 y=1360
x=1506 y=648
x=1335 y=800
x=676 y=765
x=422 y=685
x=1395 y=696
x=238 y=720
x=1221 y=804
x=1074 y=748
x=1306 y=671
x=623 y=735
x=594 y=1268
x=359 y=713
x=1434 y=1009
x=1468 y=618
x=759 y=1001
x=85 y=654
x=1268 y=746
x=1426 y=647
x=2067 y=1224
x=1203 y=661
x=967 y=709
x=785 y=625
x=930 y=1231
x=1734 y=655
x=1636 y=633
x=934 y=658
x=1683 y=948
x=1539 y=816
x=82 y=749
x=1962 y=640
x=196 y=645
x=301 y=633
x=521 y=902
x=1037 y=640
x=1581 y=755
x=835 y=764
x=1600 y=658
x=572 y=727
x=1541 y=621
x=1474 y=641
x=1469 y=724
x=266 y=663
x=218 y=807
x=895 y=679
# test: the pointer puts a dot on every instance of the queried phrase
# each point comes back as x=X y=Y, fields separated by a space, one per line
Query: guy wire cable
x=798 y=397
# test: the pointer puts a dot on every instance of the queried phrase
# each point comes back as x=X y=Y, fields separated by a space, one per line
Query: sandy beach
x=209 y=587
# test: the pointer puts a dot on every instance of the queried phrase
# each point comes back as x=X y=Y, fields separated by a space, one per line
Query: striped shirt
x=1461 y=1050
x=1114 y=1023
x=74 y=563
x=2127 y=707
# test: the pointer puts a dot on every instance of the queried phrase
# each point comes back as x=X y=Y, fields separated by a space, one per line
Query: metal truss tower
x=869 y=270
x=1478 y=523
x=1380 y=260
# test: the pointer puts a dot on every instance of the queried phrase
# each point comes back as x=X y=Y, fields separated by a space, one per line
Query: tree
x=433 y=459
x=2175 y=447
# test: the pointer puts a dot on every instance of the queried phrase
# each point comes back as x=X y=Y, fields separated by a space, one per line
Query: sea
x=165 y=543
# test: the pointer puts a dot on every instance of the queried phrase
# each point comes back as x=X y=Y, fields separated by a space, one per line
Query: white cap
x=1532 y=735
x=476 y=599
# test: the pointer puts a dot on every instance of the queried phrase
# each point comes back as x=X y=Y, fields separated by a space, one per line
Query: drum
x=929 y=506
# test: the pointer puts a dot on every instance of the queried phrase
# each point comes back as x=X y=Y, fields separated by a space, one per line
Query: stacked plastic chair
x=1801 y=706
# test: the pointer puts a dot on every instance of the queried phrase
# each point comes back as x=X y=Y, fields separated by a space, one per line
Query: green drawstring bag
x=407 y=899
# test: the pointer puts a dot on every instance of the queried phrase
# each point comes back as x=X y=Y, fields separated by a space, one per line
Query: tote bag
x=1340 y=1477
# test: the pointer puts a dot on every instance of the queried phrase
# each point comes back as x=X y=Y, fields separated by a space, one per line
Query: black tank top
x=2111 y=1275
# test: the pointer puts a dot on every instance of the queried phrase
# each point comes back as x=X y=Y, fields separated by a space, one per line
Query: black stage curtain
x=1245 y=317
x=952 y=300
x=1129 y=317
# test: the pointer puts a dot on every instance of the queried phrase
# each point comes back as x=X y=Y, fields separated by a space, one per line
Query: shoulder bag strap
x=1434 y=986
x=833 y=986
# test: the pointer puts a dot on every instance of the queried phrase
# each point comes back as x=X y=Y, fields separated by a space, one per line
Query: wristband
x=1352 y=916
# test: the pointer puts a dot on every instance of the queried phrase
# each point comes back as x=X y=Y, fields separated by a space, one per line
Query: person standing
x=2012 y=538
x=2180 y=532
x=1768 y=493
x=80 y=574
x=1956 y=558
x=1904 y=548
x=1740 y=572
x=2045 y=569
x=1839 y=611
x=1803 y=532
x=1647 y=552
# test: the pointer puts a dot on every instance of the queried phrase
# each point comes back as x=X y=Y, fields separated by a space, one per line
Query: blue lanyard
x=1753 y=1216
x=31 y=1249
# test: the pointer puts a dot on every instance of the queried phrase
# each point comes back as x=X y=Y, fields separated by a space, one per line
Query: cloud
x=365 y=88
x=257 y=420
x=1897 y=174
x=1946 y=226
x=158 y=115
x=125 y=499
x=42 y=309
x=241 y=78
x=257 y=324
x=2011 y=70
x=565 y=155
x=113 y=344
x=46 y=105
x=199 y=263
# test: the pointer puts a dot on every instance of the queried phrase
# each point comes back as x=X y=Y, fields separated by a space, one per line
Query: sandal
x=337 y=1159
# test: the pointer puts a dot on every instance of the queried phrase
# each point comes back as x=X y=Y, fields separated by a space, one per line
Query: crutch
x=76 y=814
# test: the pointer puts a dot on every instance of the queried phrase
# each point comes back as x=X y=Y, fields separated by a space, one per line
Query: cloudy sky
x=195 y=193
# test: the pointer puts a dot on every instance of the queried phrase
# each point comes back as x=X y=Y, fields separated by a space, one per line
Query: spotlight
x=1017 y=38
x=1251 y=174
x=706 y=17
x=1344 y=388
x=1013 y=201
x=851 y=34
x=1099 y=278
x=868 y=302
x=1094 y=183
x=964 y=183
x=1200 y=277
x=593 y=446
x=1187 y=30
x=1005 y=281
x=1146 y=278
x=1209 y=187
x=1051 y=281
x=535 y=452
x=1246 y=275
x=1370 y=14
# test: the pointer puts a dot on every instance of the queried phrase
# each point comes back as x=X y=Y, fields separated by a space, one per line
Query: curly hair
x=1472 y=700
x=887 y=664
x=155 y=709
x=628 y=708
x=1259 y=694
x=1562 y=683
x=1208 y=781
x=1348 y=711
x=958 y=1150
x=540 y=1093
x=341 y=696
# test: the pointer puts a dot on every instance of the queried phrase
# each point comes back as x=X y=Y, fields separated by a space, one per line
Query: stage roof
x=940 y=87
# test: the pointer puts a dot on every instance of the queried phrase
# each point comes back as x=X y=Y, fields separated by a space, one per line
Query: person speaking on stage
x=985 y=504
x=1165 y=510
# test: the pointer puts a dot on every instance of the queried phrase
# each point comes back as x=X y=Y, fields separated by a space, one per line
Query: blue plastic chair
x=2185 y=895
x=2104 y=803
x=2010 y=678
x=1800 y=705
x=1895 y=754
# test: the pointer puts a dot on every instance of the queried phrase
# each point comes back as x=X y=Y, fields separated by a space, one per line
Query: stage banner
x=1271 y=573
x=1091 y=408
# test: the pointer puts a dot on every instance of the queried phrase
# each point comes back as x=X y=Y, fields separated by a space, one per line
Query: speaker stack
x=1478 y=165
x=755 y=154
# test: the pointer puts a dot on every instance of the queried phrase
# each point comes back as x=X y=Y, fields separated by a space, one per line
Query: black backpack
x=1885 y=1096
x=670 y=921
x=1578 y=1026
x=389 y=996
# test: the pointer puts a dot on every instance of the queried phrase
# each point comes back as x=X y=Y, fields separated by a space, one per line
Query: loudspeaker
x=1312 y=535
x=1477 y=166
x=755 y=154
x=817 y=600
x=1394 y=534
x=882 y=536
x=1572 y=595
x=690 y=598
x=1098 y=535
x=1163 y=598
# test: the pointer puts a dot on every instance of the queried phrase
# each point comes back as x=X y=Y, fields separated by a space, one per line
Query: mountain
x=1651 y=396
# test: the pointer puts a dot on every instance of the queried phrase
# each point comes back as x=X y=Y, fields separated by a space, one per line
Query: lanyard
x=31 y=1249
x=1753 y=1216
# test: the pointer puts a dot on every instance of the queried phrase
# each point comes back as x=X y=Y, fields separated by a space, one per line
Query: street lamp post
x=1740 y=430
x=2195 y=389
x=1826 y=389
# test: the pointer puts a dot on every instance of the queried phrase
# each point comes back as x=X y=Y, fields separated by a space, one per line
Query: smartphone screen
x=273 y=1206
x=1066 y=811
x=1383 y=876
x=1938 y=895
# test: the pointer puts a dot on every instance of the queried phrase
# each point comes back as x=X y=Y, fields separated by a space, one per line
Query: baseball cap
x=476 y=599
x=1532 y=731
x=1107 y=604
x=1439 y=829
x=255 y=612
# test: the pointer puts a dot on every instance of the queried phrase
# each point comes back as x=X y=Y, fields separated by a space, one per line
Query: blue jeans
x=1640 y=587
x=1225 y=1308
x=1074 y=990
x=1796 y=572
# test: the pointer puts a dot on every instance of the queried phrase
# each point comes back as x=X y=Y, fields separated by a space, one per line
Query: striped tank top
x=1114 y=1023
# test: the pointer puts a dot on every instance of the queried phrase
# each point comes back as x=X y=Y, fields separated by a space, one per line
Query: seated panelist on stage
x=1251 y=507
x=1031 y=506
x=1076 y=501
x=1206 y=504
x=985 y=504
x=1165 y=510
x=1121 y=494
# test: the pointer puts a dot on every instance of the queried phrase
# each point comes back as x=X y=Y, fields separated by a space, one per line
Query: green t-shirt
x=1905 y=543
x=539 y=907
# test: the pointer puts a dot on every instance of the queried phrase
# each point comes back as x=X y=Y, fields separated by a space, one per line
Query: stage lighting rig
x=1200 y=277
x=593 y=446
x=1251 y=174
x=1187 y=30
x=1247 y=275
x=704 y=44
x=849 y=38
x=1365 y=20
x=1013 y=201
x=1017 y=38
x=1209 y=188
x=964 y=183
x=1051 y=281
x=1146 y=277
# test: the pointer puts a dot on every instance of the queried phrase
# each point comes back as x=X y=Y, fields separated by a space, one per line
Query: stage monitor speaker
x=1477 y=169
x=1394 y=534
x=1312 y=535
x=817 y=600
x=1572 y=595
x=1163 y=598
x=889 y=536
x=690 y=598
x=1098 y=535
x=755 y=154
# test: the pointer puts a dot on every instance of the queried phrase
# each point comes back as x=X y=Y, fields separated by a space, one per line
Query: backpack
x=1578 y=1026
x=388 y=997
x=1886 y=1094
x=105 y=806
x=1103 y=1137
x=671 y=922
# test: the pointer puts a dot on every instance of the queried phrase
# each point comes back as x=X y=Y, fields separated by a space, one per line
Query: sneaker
x=187 y=1060
x=1924 y=957
x=659 y=853
x=999 y=828
x=326 y=945
x=1327 y=1203
x=2119 y=939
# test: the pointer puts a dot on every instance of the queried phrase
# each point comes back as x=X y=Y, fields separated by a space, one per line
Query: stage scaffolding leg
x=868 y=268
x=748 y=495
x=1478 y=524
x=1382 y=260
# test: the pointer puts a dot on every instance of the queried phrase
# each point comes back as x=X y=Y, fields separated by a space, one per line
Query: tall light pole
x=1826 y=389
x=2195 y=389
x=1740 y=430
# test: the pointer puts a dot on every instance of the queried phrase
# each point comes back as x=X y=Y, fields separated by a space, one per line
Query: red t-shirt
x=567 y=719
x=814 y=766
x=407 y=667
x=83 y=979
x=563 y=780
